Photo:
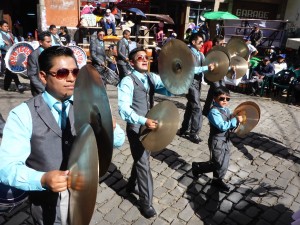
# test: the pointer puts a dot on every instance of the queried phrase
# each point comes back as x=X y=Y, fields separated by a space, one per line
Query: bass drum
x=10 y=196
x=17 y=56
x=80 y=55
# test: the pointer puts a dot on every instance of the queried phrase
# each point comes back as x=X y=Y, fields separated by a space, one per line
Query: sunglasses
x=142 y=58
x=224 y=98
x=63 y=73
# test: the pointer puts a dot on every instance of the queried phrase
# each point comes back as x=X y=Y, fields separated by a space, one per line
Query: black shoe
x=181 y=133
x=132 y=189
x=220 y=184
x=195 y=170
x=148 y=212
x=21 y=88
x=115 y=35
x=195 y=138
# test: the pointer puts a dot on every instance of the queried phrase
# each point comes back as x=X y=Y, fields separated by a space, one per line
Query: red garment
x=206 y=47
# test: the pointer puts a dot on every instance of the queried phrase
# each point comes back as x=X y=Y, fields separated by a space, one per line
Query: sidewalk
x=263 y=173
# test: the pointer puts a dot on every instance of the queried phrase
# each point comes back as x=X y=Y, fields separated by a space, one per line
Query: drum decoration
x=17 y=56
x=79 y=54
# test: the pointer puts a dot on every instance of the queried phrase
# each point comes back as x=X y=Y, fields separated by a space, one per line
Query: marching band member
x=135 y=98
x=38 y=138
x=6 y=41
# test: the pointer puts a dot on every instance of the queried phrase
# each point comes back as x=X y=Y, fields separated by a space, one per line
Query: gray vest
x=142 y=100
x=215 y=132
x=10 y=41
x=51 y=153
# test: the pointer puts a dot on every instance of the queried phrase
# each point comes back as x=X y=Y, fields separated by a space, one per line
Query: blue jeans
x=109 y=26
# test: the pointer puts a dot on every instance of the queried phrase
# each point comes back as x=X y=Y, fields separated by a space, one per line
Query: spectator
x=280 y=63
x=29 y=37
x=187 y=35
x=109 y=22
x=256 y=35
x=263 y=72
x=160 y=36
x=54 y=36
x=173 y=35
x=64 y=36
x=117 y=13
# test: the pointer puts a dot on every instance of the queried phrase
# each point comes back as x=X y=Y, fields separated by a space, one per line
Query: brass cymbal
x=241 y=66
x=83 y=177
x=220 y=48
x=237 y=47
x=221 y=62
x=167 y=115
x=176 y=66
x=91 y=105
x=251 y=115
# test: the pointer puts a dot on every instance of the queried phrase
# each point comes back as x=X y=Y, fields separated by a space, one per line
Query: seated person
x=280 y=63
x=160 y=36
x=109 y=22
x=264 y=70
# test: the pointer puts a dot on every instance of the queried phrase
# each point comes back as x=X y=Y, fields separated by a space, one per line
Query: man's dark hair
x=126 y=32
x=100 y=30
x=217 y=39
x=43 y=34
x=221 y=91
x=47 y=56
x=3 y=22
x=194 y=37
x=134 y=51
x=52 y=26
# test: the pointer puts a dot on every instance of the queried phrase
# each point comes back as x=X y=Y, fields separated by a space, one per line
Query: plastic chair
x=282 y=80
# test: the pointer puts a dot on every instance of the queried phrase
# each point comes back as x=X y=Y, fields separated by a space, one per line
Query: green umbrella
x=219 y=15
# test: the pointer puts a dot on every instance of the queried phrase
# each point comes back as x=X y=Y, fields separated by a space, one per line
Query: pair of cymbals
x=167 y=115
x=237 y=53
x=92 y=149
x=176 y=66
x=250 y=112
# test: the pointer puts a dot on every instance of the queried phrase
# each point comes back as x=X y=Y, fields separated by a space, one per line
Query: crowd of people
x=43 y=126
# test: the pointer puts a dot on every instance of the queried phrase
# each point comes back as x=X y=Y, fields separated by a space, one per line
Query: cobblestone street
x=263 y=173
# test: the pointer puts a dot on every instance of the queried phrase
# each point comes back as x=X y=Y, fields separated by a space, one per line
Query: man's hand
x=240 y=119
x=151 y=124
x=55 y=180
x=211 y=66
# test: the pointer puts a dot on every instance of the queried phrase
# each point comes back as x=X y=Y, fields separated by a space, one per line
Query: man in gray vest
x=135 y=99
x=36 y=85
x=192 y=119
x=6 y=41
x=38 y=138
x=123 y=52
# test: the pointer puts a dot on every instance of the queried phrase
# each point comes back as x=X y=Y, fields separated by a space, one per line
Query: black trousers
x=193 y=112
x=9 y=76
x=140 y=172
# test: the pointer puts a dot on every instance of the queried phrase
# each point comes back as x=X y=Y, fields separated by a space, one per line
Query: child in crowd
x=222 y=122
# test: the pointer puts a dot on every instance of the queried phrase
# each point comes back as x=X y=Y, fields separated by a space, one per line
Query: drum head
x=16 y=57
x=79 y=54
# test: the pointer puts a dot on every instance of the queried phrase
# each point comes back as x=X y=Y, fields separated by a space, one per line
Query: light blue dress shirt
x=15 y=147
x=2 y=44
x=125 y=96
x=198 y=69
x=216 y=119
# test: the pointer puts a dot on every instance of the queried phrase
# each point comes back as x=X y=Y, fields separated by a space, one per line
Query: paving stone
x=186 y=214
x=241 y=205
x=159 y=221
x=114 y=215
x=143 y=221
x=170 y=184
x=160 y=192
x=283 y=183
x=235 y=197
x=226 y=206
x=168 y=200
x=125 y=205
x=240 y=218
x=285 y=199
x=219 y=217
x=132 y=215
x=270 y=215
x=253 y=211
x=169 y=214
